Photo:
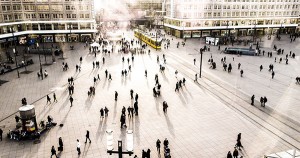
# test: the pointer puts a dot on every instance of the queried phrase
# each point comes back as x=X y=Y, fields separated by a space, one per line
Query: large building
x=199 y=18
x=46 y=20
x=147 y=12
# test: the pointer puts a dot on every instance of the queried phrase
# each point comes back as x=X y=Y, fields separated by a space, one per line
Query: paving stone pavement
x=197 y=124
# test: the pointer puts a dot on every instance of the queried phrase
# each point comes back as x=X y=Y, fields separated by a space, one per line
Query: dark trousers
x=87 y=138
x=53 y=154
x=78 y=150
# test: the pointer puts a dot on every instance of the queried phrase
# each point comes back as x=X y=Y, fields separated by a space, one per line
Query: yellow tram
x=150 y=40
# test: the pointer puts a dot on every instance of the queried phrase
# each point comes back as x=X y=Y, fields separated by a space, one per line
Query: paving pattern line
x=210 y=89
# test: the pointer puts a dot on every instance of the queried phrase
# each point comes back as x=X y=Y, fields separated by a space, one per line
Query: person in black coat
x=61 y=144
x=53 y=151
x=229 y=154
x=235 y=153
x=136 y=108
x=148 y=153
x=87 y=136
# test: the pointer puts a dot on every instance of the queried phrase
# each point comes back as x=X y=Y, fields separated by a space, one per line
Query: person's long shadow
x=104 y=83
x=99 y=128
x=86 y=149
x=184 y=94
x=157 y=105
x=170 y=125
x=188 y=91
x=137 y=128
x=115 y=111
x=65 y=117
x=179 y=93
x=64 y=104
x=108 y=85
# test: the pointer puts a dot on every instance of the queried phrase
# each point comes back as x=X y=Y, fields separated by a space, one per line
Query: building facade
x=200 y=18
x=46 y=20
x=148 y=12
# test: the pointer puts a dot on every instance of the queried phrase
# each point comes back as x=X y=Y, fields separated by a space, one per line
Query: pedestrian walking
x=129 y=111
x=106 y=73
x=123 y=120
x=54 y=98
x=165 y=106
x=136 y=108
x=265 y=100
x=78 y=147
x=136 y=97
x=71 y=100
x=176 y=72
x=273 y=74
x=48 y=99
x=235 y=153
x=146 y=73
x=106 y=111
x=60 y=144
x=148 y=153
x=239 y=65
x=116 y=95
x=158 y=146
x=87 y=136
x=131 y=94
x=261 y=101
x=229 y=154
x=194 y=61
x=252 y=99
x=242 y=72
x=260 y=68
x=53 y=151
x=196 y=78
x=109 y=77
x=183 y=81
x=101 y=113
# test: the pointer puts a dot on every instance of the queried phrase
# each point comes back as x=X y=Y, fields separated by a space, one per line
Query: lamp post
x=41 y=69
x=227 y=31
x=254 y=33
x=156 y=35
x=14 y=50
x=201 y=53
x=70 y=28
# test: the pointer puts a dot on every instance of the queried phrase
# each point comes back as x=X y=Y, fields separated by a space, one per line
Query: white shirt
x=78 y=144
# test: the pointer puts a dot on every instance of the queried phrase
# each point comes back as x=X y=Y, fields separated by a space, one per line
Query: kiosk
x=28 y=118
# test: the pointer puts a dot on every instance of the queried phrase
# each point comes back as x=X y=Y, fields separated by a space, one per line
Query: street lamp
x=14 y=50
x=201 y=53
x=41 y=69
x=70 y=28
x=254 y=33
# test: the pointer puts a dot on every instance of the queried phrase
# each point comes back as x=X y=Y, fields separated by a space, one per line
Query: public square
x=203 y=117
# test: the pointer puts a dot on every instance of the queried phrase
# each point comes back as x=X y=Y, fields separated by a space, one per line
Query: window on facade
x=27 y=16
x=73 y=15
x=33 y=16
x=68 y=7
x=42 y=16
x=68 y=15
x=81 y=16
x=3 y=8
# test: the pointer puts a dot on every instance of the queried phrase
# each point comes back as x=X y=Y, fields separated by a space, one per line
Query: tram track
x=284 y=128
